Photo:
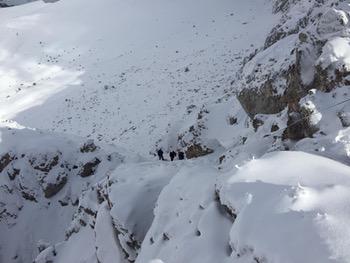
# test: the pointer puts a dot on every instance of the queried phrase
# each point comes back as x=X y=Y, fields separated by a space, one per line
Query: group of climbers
x=172 y=155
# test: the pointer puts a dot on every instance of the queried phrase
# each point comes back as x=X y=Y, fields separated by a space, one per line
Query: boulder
x=5 y=160
x=197 y=150
x=89 y=168
x=51 y=189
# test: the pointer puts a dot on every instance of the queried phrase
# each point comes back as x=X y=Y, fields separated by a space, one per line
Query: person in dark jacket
x=172 y=155
x=160 y=154
x=181 y=155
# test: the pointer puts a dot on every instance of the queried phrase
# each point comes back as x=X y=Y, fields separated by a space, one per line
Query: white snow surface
x=89 y=90
x=78 y=66
x=289 y=202
x=336 y=51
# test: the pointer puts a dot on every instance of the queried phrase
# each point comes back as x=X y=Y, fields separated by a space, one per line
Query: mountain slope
x=76 y=71
x=259 y=90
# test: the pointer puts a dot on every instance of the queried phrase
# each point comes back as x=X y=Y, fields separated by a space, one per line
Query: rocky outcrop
x=5 y=160
x=191 y=140
x=298 y=124
x=88 y=146
x=281 y=5
x=9 y=3
x=3 y=5
x=197 y=150
x=266 y=99
x=36 y=170
x=89 y=168
x=45 y=164
x=50 y=189
x=297 y=57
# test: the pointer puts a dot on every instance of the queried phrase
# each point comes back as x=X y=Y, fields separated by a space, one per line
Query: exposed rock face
x=12 y=173
x=267 y=100
x=232 y=120
x=297 y=57
x=264 y=100
x=3 y=5
x=299 y=125
x=257 y=123
x=51 y=189
x=281 y=5
x=46 y=164
x=9 y=3
x=28 y=195
x=89 y=146
x=197 y=150
x=5 y=160
x=191 y=139
x=281 y=31
x=89 y=168
x=274 y=128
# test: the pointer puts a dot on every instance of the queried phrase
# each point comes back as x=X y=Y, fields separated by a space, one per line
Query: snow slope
x=89 y=89
x=70 y=71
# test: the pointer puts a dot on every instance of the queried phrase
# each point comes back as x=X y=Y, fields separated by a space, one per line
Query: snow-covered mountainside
x=100 y=71
x=256 y=93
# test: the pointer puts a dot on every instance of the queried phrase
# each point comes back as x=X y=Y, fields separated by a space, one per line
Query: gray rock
x=89 y=168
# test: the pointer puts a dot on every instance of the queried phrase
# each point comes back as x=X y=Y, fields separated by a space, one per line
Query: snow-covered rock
x=40 y=187
x=291 y=207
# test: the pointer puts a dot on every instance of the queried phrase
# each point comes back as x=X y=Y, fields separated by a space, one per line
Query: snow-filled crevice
x=189 y=224
x=131 y=192
x=108 y=247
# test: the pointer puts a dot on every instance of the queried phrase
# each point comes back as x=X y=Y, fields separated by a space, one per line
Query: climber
x=160 y=154
x=172 y=155
x=181 y=155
